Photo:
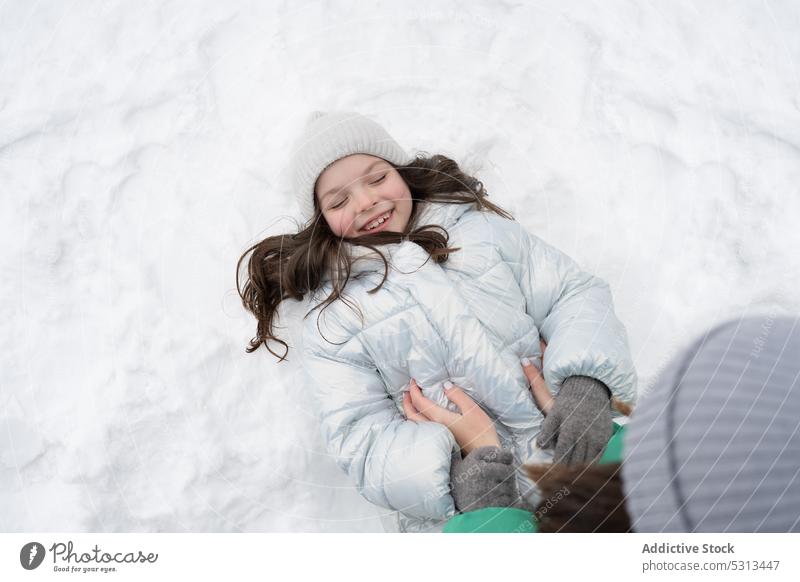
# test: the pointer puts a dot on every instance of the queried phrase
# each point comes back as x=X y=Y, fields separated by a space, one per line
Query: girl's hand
x=471 y=426
x=544 y=398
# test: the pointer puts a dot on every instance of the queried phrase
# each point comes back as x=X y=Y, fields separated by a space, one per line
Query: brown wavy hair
x=580 y=498
x=291 y=265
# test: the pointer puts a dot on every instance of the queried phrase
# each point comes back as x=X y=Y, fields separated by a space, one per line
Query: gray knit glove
x=484 y=478
x=580 y=421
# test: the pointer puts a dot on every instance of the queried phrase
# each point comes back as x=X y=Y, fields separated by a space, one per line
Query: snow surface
x=143 y=147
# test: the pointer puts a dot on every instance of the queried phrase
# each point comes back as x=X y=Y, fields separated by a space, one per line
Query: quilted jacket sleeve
x=575 y=315
x=394 y=462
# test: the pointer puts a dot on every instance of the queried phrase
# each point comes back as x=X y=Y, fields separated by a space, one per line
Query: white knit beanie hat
x=330 y=136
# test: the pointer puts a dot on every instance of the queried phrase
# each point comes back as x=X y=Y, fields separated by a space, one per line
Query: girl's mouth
x=379 y=223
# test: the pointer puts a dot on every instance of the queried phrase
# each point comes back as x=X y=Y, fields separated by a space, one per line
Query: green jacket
x=513 y=520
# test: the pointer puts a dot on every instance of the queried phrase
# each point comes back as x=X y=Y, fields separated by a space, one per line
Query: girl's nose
x=364 y=199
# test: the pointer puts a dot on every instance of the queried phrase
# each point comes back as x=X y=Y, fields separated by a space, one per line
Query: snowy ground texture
x=143 y=148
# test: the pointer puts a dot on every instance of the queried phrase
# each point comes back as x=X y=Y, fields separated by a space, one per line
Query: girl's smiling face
x=362 y=194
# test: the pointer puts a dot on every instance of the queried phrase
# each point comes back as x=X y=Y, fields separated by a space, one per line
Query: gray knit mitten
x=580 y=421
x=484 y=478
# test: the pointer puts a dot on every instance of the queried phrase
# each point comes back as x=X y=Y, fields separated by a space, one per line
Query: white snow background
x=143 y=147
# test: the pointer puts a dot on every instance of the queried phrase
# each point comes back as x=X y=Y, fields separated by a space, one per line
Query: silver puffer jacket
x=468 y=320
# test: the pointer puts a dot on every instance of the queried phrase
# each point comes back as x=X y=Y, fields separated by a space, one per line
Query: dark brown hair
x=292 y=265
x=580 y=498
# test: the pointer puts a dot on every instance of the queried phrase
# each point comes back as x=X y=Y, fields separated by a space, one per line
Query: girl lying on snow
x=414 y=273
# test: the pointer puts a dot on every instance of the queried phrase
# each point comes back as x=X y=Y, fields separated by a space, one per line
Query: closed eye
x=341 y=202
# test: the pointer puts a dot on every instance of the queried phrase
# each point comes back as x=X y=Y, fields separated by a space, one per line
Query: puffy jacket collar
x=445 y=215
x=430 y=213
